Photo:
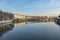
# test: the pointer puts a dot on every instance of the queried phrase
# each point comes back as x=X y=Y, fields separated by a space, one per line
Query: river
x=30 y=31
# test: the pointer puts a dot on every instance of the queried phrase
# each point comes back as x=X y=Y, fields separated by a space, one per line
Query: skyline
x=31 y=7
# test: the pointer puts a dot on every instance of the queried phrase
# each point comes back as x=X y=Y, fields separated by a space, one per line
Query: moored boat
x=57 y=20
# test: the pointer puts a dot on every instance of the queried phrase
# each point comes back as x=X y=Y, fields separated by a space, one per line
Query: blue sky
x=31 y=7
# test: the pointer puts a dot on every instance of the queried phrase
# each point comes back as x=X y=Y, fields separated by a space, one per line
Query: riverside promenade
x=6 y=21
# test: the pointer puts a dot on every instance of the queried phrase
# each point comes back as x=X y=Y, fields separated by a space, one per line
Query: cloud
x=43 y=4
x=38 y=7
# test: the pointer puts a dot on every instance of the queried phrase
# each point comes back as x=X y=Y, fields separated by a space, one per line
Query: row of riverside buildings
x=9 y=16
x=34 y=18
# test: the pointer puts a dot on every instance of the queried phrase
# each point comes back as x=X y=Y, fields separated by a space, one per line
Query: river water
x=30 y=31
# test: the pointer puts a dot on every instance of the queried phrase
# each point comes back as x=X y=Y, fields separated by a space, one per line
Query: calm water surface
x=30 y=31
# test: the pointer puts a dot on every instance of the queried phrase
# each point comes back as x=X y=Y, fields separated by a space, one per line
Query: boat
x=57 y=20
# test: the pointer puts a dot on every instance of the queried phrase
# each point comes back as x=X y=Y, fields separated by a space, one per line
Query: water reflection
x=34 y=30
x=21 y=24
x=57 y=23
x=24 y=23
x=5 y=28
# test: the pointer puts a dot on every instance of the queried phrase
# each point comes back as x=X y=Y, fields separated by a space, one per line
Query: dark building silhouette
x=6 y=16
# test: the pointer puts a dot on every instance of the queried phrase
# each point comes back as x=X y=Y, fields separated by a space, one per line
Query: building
x=33 y=18
x=19 y=16
x=6 y=16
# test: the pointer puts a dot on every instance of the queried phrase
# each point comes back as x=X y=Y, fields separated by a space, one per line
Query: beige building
x=37 y=18
x=19 y=16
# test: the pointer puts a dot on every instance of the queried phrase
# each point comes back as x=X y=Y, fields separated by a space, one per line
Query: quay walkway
x=6 y=21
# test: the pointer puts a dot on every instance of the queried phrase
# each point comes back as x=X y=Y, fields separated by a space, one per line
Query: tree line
x=6 y=16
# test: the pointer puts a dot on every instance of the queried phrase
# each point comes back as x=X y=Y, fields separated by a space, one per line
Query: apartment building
x=19 y=16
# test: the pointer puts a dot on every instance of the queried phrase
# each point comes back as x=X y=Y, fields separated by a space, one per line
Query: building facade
x=19 y=16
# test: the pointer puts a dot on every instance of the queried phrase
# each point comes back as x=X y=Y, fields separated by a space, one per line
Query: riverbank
x=6 y=21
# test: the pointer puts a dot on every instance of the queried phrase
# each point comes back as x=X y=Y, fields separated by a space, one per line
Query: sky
x=31 y=7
